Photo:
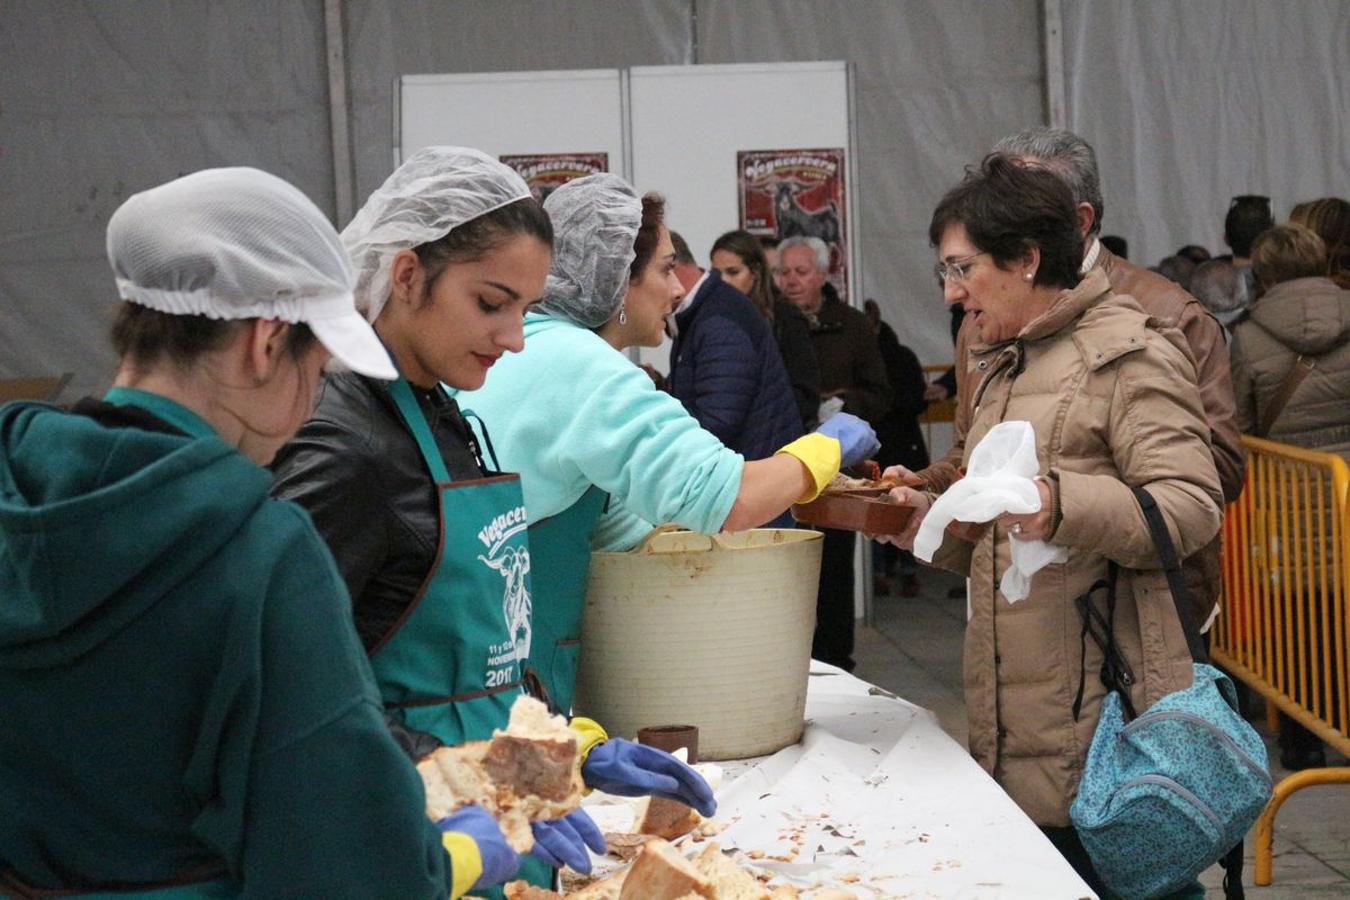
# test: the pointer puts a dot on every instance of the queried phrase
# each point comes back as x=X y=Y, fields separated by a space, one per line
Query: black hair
x=145 y=336
x=476 y=238
x=1117 y=245
x=1006 y=209
x=1248 y=216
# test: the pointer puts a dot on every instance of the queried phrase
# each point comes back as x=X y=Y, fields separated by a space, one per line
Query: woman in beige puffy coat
x=1299 y=313
x=1301 y=316
x=1113 y=404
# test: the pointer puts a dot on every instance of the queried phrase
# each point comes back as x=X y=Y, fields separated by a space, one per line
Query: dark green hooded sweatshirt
x=182 y=692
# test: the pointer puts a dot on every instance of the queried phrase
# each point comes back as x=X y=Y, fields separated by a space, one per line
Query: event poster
x=545 y=172
x=785 y=193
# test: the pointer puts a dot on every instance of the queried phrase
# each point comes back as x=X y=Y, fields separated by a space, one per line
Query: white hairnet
x=436 y=190
x=241 y=244
x=595 y=221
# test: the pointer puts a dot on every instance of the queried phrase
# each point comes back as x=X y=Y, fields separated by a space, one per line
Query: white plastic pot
x=713 y=631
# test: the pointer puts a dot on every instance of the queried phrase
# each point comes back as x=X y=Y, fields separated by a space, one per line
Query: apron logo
x=513 y=564
x=501 y=528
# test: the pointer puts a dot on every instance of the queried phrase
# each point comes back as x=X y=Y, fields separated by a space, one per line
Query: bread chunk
x=661 y=873
x=527 y=773
x=667 y=819
x=729 y=881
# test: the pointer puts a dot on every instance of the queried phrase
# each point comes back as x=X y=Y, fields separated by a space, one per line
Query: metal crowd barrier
x=1285 y=626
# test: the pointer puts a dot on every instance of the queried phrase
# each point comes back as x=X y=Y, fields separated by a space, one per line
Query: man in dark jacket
x=852 y=370
x=901 y=438
x=725 y=366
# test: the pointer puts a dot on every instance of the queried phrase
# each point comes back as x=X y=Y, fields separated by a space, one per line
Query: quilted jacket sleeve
x=1158 y=437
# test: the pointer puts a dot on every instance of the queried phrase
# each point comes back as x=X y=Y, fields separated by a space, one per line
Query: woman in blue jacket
x=186 y=708
x=587 y=429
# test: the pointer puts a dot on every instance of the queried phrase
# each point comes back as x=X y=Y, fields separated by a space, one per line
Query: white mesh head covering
x=241 y=244
x=595 y=221
x=436 y=190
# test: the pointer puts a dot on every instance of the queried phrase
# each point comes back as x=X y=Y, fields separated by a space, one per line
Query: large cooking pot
x=706 y=630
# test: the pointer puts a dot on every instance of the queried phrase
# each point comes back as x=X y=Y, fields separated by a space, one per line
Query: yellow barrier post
x=1286 y=580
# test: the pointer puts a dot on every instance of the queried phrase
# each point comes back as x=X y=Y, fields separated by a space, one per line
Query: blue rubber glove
x=635 y=770
x=563 y=842
x=857 y=440
x=498 y=861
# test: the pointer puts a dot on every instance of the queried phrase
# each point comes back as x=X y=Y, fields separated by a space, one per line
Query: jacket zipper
x=1183 y=715
x=1165 y=782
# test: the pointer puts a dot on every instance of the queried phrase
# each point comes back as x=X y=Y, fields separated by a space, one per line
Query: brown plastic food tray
x=863 y=510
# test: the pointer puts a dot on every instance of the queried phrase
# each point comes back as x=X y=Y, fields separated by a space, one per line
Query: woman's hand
x=919 y=501
x=1031 y=526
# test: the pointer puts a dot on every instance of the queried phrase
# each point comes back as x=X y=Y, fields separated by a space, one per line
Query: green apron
x=450 y=665
x=560 y=547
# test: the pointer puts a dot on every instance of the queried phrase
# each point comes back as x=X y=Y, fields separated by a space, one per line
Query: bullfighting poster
x=785 y=193
x=544 y=172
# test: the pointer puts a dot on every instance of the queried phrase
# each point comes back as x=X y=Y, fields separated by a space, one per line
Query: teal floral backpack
x=1167 y=793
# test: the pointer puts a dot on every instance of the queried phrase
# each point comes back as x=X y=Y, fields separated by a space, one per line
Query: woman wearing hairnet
x=187 y=711
x=429 y=535
x=586 y=428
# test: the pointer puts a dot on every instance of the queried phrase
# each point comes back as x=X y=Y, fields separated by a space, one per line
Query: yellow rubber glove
x=466 y=863
x=820 y=455
x=589 y=736
x=479 y=854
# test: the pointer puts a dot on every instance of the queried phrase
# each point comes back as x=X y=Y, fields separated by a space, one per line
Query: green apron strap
x=421 y=431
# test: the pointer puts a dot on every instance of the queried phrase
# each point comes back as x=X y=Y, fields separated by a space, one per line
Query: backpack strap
x=1292 y=379
x=1167 y=552
x=1115 y=673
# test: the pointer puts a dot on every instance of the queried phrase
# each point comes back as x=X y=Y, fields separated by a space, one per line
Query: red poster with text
x=544 y=172
x=790 y=193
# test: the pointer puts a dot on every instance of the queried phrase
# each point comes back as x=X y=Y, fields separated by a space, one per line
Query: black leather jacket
x=357 y=470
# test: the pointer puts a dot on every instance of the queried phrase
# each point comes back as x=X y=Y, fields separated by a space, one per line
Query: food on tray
x=526 y=773
x=842 y=483
x=729 y=881
x=667 y=819
x=523 y=890
x=626 y=846
x=661 y=873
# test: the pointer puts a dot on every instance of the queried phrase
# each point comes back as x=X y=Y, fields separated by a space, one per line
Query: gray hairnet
x=436 y=190
x=595 y=222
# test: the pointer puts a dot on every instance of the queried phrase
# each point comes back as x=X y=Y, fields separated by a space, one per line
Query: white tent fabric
x=936 y=83
x=1191 y=102
x=101 y=100
x=1188 y=102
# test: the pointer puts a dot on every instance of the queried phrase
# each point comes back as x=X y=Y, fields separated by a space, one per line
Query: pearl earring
x=623 y=314
x=1029 y=275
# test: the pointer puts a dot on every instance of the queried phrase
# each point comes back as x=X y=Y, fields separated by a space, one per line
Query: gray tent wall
x=101 y=99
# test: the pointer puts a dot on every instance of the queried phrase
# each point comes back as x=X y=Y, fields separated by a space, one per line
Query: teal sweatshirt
x=181 y=686
x=570 y=411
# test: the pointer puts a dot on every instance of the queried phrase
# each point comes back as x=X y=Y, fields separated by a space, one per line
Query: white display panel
x=514 y=112
x=689 y=122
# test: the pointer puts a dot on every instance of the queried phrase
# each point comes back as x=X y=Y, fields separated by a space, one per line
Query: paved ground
x=914 y=649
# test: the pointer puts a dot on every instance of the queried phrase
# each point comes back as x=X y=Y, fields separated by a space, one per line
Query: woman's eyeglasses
x=956 y=269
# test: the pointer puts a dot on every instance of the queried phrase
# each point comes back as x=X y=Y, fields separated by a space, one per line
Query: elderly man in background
x=1217 y=285
x=1180 y=316
x=852 y=370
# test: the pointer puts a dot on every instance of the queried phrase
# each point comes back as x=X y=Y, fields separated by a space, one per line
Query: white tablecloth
x=879 y=800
